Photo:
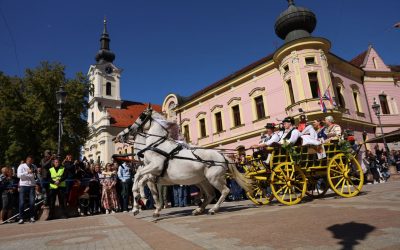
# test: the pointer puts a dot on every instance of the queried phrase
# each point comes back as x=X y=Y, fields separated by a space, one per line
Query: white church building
x=108 y=114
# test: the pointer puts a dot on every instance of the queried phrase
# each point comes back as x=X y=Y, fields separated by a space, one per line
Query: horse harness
x=173 y=153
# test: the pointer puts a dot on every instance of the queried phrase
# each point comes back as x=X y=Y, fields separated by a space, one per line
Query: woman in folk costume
x=333 y=130
x=308 y=133
x=109 y=198
x=320 y=128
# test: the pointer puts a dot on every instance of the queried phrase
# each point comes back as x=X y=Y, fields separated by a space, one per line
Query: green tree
x=29 y=113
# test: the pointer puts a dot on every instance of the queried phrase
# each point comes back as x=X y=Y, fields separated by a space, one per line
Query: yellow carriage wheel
x=345 y=175
x=288 y=183
x=260 y=194
x=314 y=190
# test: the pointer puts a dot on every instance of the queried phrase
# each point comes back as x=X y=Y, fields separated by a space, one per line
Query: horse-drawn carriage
x=290 y=173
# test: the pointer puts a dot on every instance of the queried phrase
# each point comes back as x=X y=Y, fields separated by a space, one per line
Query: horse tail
x=245 y=183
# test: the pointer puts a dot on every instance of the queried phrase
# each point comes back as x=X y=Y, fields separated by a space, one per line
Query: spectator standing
x=8 y=187
x=162 y=195
x=45 y=165
x=397 y=160
x=27 y=173
x=180 y=196
x=70 y=169
x=370 y=162
x=94 y=190
x=125 y=176
x=109 y=198
x=58 y=176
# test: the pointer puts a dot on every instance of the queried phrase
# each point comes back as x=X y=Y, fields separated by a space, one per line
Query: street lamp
x=61 y=96
x=377 y=110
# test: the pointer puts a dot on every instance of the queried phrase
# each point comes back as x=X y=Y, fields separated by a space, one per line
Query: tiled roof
x=359 y=60
x=226 y=79
x=394 y=68
x=128 y=113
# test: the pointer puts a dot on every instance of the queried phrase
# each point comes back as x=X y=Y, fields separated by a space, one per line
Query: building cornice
x=257 y=71
x=300 y=44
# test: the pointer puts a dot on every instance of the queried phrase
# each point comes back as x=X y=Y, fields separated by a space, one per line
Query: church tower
x=105 y=94
x=105 y=79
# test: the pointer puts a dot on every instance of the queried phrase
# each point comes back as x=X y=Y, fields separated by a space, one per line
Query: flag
x=328 y=96
x=321 y=102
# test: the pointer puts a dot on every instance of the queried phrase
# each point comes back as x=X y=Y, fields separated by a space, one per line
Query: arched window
x=92 y=117
x=108 y=88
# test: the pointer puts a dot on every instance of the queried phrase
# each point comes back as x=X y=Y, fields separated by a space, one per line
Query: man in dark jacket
x=70 y=169
x=45 y=165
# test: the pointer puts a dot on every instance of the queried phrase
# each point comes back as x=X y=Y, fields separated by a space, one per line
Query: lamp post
x=61 y=96
x=377 y=110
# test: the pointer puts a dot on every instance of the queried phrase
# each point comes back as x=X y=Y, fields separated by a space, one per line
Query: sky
x=180 y=46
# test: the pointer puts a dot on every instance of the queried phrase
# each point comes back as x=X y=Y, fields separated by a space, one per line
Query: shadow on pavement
x=350 y=233
x=188 y=212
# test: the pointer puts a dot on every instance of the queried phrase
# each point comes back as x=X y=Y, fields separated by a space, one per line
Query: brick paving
x=368 y=221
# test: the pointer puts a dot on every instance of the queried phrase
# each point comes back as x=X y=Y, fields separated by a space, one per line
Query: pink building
x=232 y=112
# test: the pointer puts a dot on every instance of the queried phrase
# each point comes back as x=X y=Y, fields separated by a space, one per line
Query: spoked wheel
x=260 y=194
x=345 y=175
x=288 y=183
x=316 y=187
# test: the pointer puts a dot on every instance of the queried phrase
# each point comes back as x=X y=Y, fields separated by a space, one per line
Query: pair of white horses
x=205 y=168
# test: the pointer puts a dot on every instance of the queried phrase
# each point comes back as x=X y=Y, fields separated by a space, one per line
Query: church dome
x=295 y=22
x=105 y=54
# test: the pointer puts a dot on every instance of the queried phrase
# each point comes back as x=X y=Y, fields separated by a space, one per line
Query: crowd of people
x=81 y=188
x=86 y=188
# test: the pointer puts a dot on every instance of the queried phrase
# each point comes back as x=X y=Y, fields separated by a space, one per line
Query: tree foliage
x=29 y=113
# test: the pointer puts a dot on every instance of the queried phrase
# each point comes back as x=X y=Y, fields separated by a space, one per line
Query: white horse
x=203 y=167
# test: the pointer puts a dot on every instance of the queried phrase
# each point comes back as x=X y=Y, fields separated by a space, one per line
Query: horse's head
x=141 y=124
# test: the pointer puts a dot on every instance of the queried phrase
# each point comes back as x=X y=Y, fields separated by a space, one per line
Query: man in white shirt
x=268 y=138
x=27 y=181
x=291 y=134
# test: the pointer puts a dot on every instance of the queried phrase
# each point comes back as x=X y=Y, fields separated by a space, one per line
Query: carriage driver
x=291 y=134
x=269 y=138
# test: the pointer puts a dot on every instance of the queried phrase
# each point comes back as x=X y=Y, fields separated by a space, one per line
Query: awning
x=393 y=136
x=124 y=157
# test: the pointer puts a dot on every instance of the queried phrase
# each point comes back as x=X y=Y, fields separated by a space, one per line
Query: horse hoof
x=211 y=212
x=135 y=212
x=156 y=215
x=197 y=212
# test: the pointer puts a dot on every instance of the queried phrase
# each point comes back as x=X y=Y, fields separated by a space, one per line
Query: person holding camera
x=27 y=174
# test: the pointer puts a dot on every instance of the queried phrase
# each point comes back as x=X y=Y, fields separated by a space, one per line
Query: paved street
x=369 y=221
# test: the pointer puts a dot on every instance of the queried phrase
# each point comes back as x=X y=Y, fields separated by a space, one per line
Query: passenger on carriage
x=308 y=134
x=320 y=128
x=269 y=138
x=333 y=131
x=290 y=134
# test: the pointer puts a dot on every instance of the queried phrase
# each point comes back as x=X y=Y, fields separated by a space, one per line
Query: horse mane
x=171 y=126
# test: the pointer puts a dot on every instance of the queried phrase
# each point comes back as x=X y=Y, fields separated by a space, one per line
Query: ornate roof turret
x=105 y=54
x=295 y=22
